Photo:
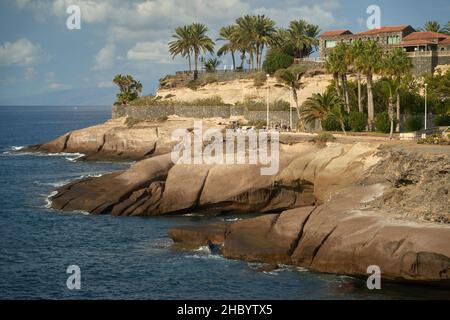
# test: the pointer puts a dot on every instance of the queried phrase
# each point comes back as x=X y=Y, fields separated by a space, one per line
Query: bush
x=324 y=137
x=413 y=124
x=357 y=121
x=131 y=122
x=298 y=68
x=442 y=120
x=277 y=105
x=382 y=123
x=434 y=139
x=192 y=84
x=279 y=74
x=331 y=124
x=152 y=101
x=277 y=60
x=259 y=79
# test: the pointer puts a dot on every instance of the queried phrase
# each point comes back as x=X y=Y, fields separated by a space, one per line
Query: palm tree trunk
x=370 y=106
x=343 y=127
x=190 y=63
x=257 y=55
x=391 y=116
x=196 y=65
x=398 y=112
x=234 y=60
x=297 y=108
x=336 y=83
x=360 y=107
x=345 y=92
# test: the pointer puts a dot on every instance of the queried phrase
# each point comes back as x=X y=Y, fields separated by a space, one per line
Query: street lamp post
x=426 y=87
x=267 y=119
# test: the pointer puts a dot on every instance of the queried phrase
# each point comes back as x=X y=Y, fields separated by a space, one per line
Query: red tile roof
x=419 y=42
x=425 y=35
x=333 y=33
x=383 y=30
x=445 y=41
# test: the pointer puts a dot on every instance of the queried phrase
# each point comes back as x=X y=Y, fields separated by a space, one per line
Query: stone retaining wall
x=158 y=112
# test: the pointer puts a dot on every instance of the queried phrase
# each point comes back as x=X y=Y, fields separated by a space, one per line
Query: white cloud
x=22 y=52
x=105 y=84
x=105 y=57
x=156 y=51
x=58 y=86
x=30 y=73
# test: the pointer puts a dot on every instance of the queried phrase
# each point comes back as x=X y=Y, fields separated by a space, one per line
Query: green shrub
x=259 y=79
x=331 y=124
x=413 y=124
x=324 y=137
x=357 y=121
x=152 y=101
x=279 y=105
x=192 y=84
x=442 y=120
x=279 y=74
x=259 y=105
x=434 y=139
x=131 y=122
x=297 y=68
x=382 y=123
x=277 y=60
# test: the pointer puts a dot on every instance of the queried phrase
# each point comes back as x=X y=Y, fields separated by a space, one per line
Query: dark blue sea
x=121 y=258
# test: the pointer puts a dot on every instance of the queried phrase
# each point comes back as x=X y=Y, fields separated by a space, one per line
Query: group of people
x=274 y=127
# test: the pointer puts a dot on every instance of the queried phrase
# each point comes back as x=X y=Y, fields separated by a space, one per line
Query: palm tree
x=264 y=31
x=228 y=34
x=323 y=106
x=369 y=62
x=292 y=80
x=332 y=65
x=212 y=64
x=447 y=28
x=396 y=66
x=432 y=26
x=355 y=52
x=254 y=33
x=303 y=37
x=200 y=42
x=391 y=86
x=182 y=44
x=344 y=59
x=245 y=38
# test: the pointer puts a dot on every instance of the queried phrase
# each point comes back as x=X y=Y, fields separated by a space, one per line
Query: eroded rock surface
x=342 y=236
x=117 y=139
x=156 y=186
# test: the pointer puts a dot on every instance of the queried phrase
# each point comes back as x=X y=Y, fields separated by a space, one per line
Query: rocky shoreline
x=334 y=208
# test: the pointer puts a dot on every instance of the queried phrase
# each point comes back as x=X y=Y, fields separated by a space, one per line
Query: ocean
x=121 y=257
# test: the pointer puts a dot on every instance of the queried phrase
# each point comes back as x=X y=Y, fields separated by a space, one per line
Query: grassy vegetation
x=152 y=101
x=259 y=105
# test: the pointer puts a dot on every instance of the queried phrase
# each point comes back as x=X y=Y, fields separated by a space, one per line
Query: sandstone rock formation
x=337 y=208
x=118 y=140
x=155 y=186
x=341 y=236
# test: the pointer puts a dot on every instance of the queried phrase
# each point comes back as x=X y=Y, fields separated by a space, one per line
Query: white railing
x=310 y=59
x=420 y=54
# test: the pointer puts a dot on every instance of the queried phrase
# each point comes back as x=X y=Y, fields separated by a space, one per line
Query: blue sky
x=44 y=63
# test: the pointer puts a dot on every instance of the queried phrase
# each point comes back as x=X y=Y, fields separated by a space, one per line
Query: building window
x=393 y=40
x=330 y=43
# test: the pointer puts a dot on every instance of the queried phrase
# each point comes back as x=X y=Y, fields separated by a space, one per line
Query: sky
x=42 y=62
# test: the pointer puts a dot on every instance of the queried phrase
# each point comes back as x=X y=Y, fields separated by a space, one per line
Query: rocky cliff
x=335 y=207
